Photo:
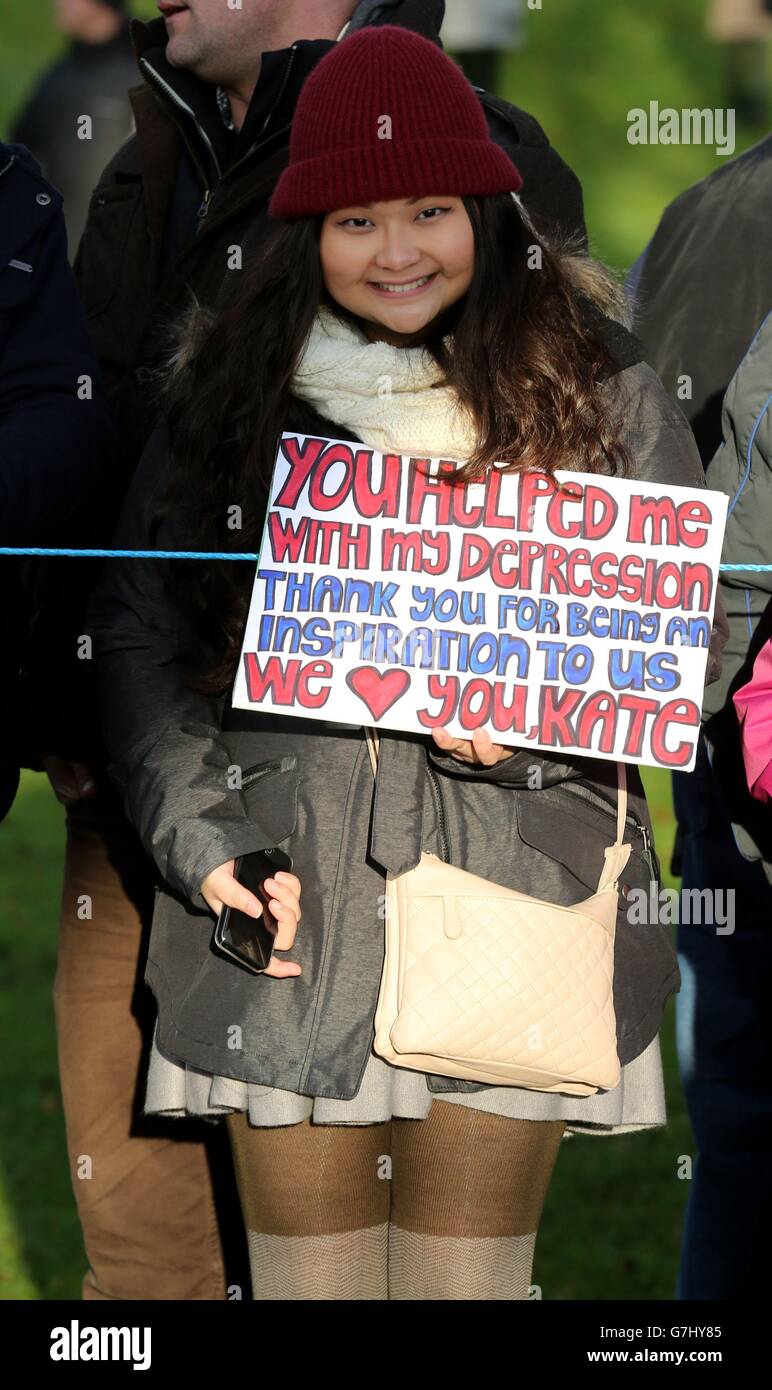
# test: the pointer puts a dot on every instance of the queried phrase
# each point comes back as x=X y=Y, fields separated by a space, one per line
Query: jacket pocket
x=270 y=793
x=20 y=281
x=102 y=253
x=578 y=835
x=567 y=829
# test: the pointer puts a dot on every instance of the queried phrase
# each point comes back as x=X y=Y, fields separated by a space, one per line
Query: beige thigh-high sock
x=315 y=1200
x=467 y=1195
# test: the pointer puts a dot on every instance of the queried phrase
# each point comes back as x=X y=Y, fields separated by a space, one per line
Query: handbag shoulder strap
x=617 y=855
x=621 y=803
x=372 y=748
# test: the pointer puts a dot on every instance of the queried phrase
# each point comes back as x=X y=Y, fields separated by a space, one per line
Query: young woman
x=400 y=255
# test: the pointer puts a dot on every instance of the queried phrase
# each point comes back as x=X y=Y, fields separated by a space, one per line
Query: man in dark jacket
x=190 y=186
x=79 y=113
x=704 y=285
x=180 y=206
x=55 y=429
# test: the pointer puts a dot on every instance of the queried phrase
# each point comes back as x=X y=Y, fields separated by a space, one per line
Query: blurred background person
x=55 y=427
x=78 y=113
x=744 y=27
x=479 y=32
x=704 y=286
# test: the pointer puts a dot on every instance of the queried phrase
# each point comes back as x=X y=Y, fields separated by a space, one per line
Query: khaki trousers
x=156 y=1198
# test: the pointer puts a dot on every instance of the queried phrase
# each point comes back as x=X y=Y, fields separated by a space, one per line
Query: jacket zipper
x=267 y=121
x=259 y=143
x=204 y=208
x=258 y=770
x=251 y=775
x=648 y=851
x=183 y=106
x=439 y=808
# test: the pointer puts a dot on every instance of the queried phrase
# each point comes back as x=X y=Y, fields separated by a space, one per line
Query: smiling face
x=398 y=264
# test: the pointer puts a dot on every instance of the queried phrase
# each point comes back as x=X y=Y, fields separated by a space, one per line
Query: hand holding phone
x=257 y=901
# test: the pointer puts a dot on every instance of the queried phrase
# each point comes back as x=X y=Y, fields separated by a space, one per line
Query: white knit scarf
x=385 y=394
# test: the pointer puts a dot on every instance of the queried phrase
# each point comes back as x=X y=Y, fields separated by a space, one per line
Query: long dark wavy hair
x=526 y=358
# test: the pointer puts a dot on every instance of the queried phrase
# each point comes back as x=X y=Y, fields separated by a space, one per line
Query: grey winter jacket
x=704 y=283
x=308 y=788
x=742 y=468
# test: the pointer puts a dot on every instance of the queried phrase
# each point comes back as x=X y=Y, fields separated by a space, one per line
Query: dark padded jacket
x=56 y=440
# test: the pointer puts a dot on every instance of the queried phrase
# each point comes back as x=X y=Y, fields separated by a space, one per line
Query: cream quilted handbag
x=487 y=984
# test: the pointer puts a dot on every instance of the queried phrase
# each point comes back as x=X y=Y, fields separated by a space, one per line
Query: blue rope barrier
x=134 y=554
x=211 y=555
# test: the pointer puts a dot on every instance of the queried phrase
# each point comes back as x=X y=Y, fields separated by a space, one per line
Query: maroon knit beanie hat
x=386 y=114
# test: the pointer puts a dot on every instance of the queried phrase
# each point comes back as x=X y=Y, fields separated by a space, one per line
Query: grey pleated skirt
x=638 y=1102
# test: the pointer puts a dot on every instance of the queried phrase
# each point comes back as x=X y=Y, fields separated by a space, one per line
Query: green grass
x=614 y=1211
x=41 y=1253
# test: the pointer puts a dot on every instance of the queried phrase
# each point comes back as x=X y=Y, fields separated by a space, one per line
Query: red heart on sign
x=379 y=690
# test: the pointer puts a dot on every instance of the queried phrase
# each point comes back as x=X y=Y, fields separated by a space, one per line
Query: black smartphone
x=249 y=940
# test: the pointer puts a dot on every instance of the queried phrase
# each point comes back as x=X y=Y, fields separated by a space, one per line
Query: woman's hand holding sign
x=479 y=749
x=221 y=889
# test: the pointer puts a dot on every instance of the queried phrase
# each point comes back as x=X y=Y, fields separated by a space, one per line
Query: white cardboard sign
x=573 y=615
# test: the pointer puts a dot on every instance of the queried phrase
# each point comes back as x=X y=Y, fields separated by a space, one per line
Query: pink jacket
x=753 y=703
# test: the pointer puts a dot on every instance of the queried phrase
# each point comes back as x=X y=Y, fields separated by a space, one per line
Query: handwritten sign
x=572 y=615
